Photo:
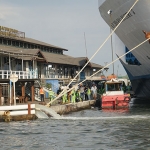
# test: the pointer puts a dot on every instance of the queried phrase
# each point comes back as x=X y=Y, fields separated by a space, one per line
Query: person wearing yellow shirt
x=51 y=95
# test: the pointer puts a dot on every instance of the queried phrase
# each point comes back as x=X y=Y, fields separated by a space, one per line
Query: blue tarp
x=55 y=86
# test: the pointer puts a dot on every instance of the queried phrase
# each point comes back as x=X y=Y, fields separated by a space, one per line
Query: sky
x=75 y=25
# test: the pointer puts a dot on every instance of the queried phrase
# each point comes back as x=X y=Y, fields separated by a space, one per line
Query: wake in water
x=105 y=118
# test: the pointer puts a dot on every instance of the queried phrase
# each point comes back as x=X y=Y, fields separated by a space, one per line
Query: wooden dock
x=73 y=107
x=32 y=111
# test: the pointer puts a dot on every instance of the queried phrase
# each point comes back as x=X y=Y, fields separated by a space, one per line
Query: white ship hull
x=131 y=34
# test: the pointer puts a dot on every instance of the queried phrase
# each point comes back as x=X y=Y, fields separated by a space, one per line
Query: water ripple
x=95 y=130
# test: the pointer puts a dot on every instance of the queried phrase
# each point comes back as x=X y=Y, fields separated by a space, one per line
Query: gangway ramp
x=47 y=110
x=40 y=114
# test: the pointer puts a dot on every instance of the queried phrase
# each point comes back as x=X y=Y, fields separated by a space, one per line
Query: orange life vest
x=41 y=91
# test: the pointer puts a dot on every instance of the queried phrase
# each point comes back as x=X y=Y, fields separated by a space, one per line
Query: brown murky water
x=85 y=130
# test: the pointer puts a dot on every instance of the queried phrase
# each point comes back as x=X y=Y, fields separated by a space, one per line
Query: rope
x=95 y=52
x=111 y=42
x=104 y=67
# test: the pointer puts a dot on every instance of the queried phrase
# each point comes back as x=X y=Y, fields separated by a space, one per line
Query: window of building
x=5 y=41
x=29 y=46
x=9 y=42
x=45 y=49
x=25 y=45
x=6 y=60
x=17 y=43
x=48 y=49
x=0 y=41
x=21 y=44
x=50 y=71
x=59 y=51
x=55 y=50
x=32 y=46
x=42 y=48
x=13 y=43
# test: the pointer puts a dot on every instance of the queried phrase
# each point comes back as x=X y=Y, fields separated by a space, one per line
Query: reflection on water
x=85 y=130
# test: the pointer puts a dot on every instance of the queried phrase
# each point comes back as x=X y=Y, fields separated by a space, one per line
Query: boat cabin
x=113 y=88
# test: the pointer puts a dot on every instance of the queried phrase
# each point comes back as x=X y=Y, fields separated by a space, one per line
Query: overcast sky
x=62 y=23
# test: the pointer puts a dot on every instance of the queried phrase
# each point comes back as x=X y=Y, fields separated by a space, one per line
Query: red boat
x=114 y=96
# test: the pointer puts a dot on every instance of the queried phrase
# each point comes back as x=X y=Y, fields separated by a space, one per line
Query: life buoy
x=127 y=99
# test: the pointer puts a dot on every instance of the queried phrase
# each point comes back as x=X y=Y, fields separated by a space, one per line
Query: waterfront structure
x=132 y=31
x=36 y=62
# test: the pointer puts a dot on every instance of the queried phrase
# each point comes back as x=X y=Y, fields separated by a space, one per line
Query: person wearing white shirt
x=94 y=91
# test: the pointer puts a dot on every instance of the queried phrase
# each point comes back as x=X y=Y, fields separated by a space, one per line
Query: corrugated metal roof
x=58 y=58
x=33 y=41
x=28 y=54
x=18 y=50
x=42 y=43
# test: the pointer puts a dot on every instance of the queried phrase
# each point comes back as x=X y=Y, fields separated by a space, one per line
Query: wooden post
x=23 y=88
x=0 y=93
x=29 y=109
x=12 y=93
x=32 y=91
x=0 y=90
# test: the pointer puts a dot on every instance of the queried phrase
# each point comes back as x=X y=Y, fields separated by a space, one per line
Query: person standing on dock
x=94 y=91
x=89 y=93
x=73 y=96
x=64 y=97
x=82 y=94
x=85 y=92
x=42 y=94
x=78 y=98
x=51 y=95
x=59 y=91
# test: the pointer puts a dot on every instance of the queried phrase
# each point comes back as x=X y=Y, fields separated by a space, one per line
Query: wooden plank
x=22 y=112
x=16 y=107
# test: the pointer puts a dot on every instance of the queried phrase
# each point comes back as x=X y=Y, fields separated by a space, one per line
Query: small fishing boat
x=114 y=96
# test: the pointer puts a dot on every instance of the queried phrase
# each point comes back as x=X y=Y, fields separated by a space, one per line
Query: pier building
x=36 y=63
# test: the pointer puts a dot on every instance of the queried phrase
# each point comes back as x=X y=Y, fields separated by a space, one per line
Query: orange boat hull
x=115 y=101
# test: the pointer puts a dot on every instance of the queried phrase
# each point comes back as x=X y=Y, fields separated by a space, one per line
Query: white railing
x=53 y=76
x=5 y=74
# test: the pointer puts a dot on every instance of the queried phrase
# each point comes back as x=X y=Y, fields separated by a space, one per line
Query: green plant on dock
x=48 y=85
